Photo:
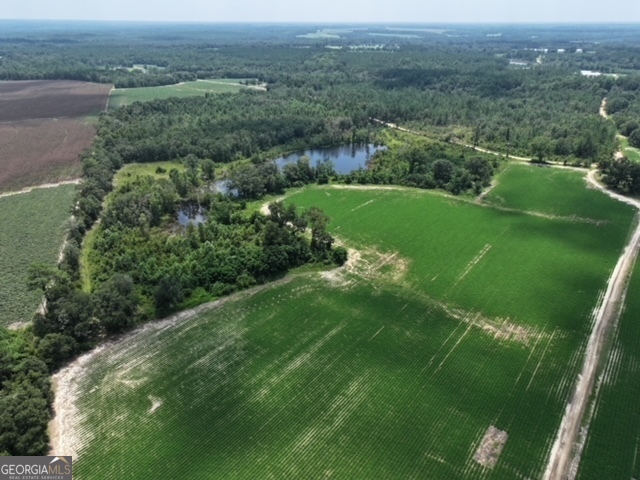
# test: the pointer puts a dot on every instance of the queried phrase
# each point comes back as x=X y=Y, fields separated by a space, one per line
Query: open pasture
x=31 y=230
x=450 y=317
x=611 y=449
x=44 y=126
x=126 y=96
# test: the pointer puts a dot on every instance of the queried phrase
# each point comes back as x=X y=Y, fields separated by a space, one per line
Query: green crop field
x=126 y=96
x=611 y=450
x=450 y=317
x=31 y=230
x=550 y=191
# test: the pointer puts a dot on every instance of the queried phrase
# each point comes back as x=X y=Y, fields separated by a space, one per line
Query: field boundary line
x=75 y=181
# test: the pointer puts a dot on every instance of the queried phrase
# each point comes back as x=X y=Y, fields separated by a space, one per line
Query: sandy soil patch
x=491 y=447
x=156 y=403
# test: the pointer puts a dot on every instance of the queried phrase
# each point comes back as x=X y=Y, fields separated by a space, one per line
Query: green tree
x=540 y=147
x=321 y=241
x=168 y=295
x=117 y=303
x=634 y=138
x=442 y=171
x=339 y=255
x=56 y=348
x=208 y=167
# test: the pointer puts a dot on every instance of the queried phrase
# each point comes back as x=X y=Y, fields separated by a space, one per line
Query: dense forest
x=518 y=91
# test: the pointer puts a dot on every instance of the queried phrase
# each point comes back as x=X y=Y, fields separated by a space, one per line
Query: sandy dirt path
x=75 y=181
x=560 y=459
x=603 y=109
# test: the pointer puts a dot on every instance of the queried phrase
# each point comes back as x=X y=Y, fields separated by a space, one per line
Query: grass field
x=611 y=450
x=132 y=171
x=126 y=96
x=631 y=153
x=32 y=226
x=450 y=318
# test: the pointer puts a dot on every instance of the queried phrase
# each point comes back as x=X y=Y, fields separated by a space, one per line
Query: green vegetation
x=497 y=293
x=393 y=367
x=611 y=449
x=135 y=171
x=631 y=153
x=511 y=248
x=25 y=395
x=126 y=96
x=549 y=191
x=33 y=227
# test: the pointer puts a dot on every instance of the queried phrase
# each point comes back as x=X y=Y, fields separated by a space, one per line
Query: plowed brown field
x=44 y=127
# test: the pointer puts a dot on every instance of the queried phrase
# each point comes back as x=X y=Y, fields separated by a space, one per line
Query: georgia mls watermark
x=35 y=468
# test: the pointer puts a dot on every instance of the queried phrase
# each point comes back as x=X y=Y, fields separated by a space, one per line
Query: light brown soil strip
x=560 y=459
x=603 y=109
x=491 y=447
x=75 y=181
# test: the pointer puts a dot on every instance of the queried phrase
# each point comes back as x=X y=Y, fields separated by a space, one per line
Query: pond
x=191 y=214
x=345 y=158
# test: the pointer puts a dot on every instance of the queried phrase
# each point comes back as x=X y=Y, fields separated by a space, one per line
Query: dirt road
x=603 y=109
x=75 y=181
x=560 y=458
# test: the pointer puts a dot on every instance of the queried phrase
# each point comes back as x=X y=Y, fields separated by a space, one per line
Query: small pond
x=191 y=214
x=345 y=158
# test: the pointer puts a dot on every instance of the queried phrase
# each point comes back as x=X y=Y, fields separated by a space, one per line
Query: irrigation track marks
x=562 y=464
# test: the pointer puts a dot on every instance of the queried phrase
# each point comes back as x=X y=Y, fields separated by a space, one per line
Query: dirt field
x=51 y=99
x=43 y=129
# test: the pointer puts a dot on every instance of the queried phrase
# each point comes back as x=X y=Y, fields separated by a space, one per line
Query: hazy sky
x=413 y=11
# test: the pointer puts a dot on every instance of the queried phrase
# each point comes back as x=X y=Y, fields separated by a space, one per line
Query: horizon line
x=328 y=22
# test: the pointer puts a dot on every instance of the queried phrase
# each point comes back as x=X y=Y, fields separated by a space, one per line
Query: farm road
x=561 y=461
x=75 y=181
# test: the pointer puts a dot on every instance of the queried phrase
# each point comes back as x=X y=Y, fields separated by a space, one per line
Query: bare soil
x=28 y=100
x=43 y=129
x=491 y=447
x=42 y=150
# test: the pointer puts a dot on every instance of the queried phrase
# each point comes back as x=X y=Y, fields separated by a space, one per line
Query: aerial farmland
x=253 y=251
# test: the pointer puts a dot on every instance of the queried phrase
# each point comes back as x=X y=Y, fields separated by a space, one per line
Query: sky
x=387 y=11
